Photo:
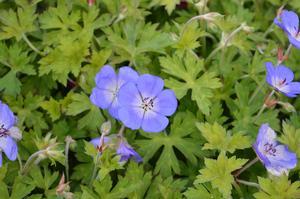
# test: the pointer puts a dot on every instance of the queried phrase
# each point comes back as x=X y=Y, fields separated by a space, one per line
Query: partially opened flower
x=288 y=21
x=108 y=83
x=276 y=157
x=145 y=104
x=280 y=78
x=126 y=152
x=7 y=143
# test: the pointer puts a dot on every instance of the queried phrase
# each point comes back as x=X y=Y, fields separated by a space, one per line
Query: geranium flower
x=276 y=157
x=123 y=149
x=105 y=94
x=126 y=152
x=288 y=21
x=7 y=133
x=281 y=77
x=145 y=104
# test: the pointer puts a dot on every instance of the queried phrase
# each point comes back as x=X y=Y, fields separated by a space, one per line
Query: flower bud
x=287 y=106
x=106 y=127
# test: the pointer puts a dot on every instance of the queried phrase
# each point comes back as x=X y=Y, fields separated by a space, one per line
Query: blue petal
x=154 y=122
x=129 y=95
x=114 y=109
x=7 y=118
x=9 y=146
x=292 y=89
x=131 y=116
x=165 y=103
x=270 y=73
x=126 y=152
x=96 y=141
x=150 y=85
x=284 y=73
x=265 y=135
x=127 y=74
x=294 y=41
x=102 y=98
x=106 y=79
x=290 y=22
x=0 y=159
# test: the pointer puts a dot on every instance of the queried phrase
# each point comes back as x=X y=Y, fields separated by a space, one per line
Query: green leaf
x=53 y=108
x=291 y=138
x=168 y=4
x=180 y=138
x=16 y=24
x=219 y=139
x=20 y=189
x=187 y=68
x=218 y=172
x=64 y=59
x=202 y=191
x=279 y=187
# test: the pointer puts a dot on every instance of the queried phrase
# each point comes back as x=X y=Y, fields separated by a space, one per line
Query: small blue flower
x=276 y=158
x=145 y=104
x=7 y=144
x=288 y=21
x=105 y=94
x=126 y=152
x=281 y=78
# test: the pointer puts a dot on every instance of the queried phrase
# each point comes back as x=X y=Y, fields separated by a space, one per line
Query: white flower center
x=147 y=103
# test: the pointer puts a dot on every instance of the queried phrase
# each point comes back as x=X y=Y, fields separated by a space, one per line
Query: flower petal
x=165 y=103
x=96 y=141
x=290 y=22
x=154 y=122
x=131 y=116
x=292 y=89
x=126 y=152
x=294 y=41
x=106 y=79
x=102 y=98
x=284 y=157
x=9 y=146
x=127 y=74
x=284 y=73
x=270 y=73
x=265 y=135
x=0 y=159
x=129 y=95
x=150 y=85
x=114 y=108
x=7 y=118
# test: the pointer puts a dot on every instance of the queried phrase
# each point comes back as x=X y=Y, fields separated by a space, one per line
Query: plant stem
x=25 y=38
x=246 y=166
x=251 y=184
x=31 y=160
x=121 y=130
x=213 y=53
x=256 y=92
x=67 y=147
x=94 y=174
x=20 y=162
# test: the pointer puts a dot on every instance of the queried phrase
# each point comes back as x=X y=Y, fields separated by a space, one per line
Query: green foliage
x=219 y=139
x=291 y=137
x=278 y=188
x=218 y=173
x=180 y=138
x=187 y=67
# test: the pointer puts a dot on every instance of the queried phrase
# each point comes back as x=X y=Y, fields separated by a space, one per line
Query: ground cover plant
x=149 y=99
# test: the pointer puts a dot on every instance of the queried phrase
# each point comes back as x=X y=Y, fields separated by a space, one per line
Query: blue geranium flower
x=276 y=158
x=126 y=152
x=289 y=22
x=145 y=104
x=7 y=132
x=123 y=149
x=108 y=83
x=281 y=78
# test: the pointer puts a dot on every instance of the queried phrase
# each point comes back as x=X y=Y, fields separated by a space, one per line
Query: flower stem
x=246 y=166
x=31 y=160
x=251 y=184
x=95 y=169
x=121 y=131
x=20 y=162
x=256 y=92
x=25 y=38
x=264 y=106
x=67 y=147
